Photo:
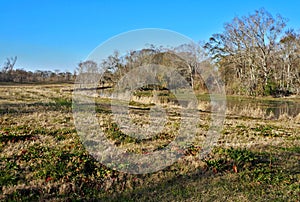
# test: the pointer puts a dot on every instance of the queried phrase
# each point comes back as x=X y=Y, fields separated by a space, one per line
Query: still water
x=274 y=107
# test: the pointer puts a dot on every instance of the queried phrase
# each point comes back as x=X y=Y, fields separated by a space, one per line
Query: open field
x=257 y=157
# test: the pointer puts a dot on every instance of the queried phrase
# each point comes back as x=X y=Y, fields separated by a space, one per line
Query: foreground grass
x=42 y=157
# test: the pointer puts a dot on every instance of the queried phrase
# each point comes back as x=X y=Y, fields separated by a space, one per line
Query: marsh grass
x=42 y=158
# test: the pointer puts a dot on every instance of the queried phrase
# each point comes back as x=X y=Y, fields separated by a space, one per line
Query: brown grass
x=41 y=117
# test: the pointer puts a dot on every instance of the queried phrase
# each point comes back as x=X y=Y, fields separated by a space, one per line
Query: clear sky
x=57 y=34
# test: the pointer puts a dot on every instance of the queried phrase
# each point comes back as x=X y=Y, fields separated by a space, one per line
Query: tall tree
x=248 y=45
x=289 y=60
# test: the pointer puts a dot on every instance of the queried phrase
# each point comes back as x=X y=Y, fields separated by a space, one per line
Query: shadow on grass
x=58 y=105
x=27 y=108
x=14 y=138
x=254 y=179
x=258 y=181
x=272 y=174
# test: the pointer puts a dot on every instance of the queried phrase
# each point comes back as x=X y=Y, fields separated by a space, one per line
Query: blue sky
x=56 y=34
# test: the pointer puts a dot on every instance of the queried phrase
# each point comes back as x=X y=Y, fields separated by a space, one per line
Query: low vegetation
x=42 y=157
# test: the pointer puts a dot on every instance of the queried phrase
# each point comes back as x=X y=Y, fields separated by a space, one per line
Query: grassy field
x=42 y=158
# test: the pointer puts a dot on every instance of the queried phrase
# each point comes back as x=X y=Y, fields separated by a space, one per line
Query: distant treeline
x=9 y=74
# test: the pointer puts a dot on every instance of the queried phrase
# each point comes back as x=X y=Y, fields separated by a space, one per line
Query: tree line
x=255 y=55
x=9 y=74
x=188 y=60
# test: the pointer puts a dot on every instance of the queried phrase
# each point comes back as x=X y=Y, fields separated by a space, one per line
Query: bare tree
x=8 y=68
x=249 y=45
x=289 y=60
x=194 y=55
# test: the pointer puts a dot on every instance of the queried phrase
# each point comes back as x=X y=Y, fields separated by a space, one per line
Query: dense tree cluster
x=188 y=60
x=257 y=55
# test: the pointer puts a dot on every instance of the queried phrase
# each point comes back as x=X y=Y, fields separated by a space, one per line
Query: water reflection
x=263 y=108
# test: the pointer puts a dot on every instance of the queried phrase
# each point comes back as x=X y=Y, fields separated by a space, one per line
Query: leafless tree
x=248 y=47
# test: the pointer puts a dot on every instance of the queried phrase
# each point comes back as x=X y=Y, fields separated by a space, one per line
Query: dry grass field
x=257 y=157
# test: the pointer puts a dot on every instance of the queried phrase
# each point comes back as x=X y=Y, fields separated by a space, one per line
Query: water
x=266 y=107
